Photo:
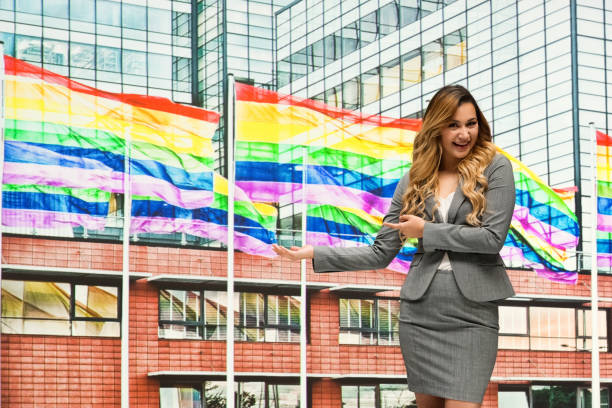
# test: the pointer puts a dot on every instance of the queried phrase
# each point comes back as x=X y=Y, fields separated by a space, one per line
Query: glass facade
x=110 y=45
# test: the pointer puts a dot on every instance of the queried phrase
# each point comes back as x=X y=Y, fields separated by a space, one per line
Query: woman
x=457 y=199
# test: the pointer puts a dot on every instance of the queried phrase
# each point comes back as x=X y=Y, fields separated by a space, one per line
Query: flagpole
x=230 y=121
x=303 y=300
x=125 y=281
x=2 y=73
x=595 y=382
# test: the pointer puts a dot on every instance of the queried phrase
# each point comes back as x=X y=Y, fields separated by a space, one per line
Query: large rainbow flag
x=604 y=200
x=353 y=163
x=61 y=133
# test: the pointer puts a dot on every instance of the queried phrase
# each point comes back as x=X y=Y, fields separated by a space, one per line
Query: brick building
x=80 y=371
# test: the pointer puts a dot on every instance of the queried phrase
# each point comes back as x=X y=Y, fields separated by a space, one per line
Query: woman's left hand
x=410 y=226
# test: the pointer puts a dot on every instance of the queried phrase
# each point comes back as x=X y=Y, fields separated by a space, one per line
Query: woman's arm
x=376 y=256
x=489 y=238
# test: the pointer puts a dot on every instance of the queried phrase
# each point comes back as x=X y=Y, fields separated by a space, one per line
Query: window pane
x=133 y=17
x=160 y=66
x=252 y=394
x=370 y=87
x=28 y=48
x=159 y=20
x=388 y=322
x=55 y=52
x=350 y=396
x=215 y=315
x=369 y=28
x=396 y=395
x=99 y=329
x=390 y=77
x=55 y=8
x=552 y=328
x=82 y=10
x=333 y=96
x=557 y=396
x=432 y=59
x=350 y=94
x=96 y=301
x=409 y=11
x=134 y=62
x=513 y=399
x=389 y=18
x=28 y=6
x=350 y=38
x=512 y=320
x=109 y=13
x=214 y=394
x=411 y=68
x=367 y=397
x=108 y=59
x=81 y=55
x=179 y=397
x=283 y=396
x=455 y=49
x=179 y=305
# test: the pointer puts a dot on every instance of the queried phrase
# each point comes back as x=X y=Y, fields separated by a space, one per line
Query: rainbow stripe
x=66 y=134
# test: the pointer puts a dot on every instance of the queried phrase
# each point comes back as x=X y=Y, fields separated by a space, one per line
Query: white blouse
x=445 y=203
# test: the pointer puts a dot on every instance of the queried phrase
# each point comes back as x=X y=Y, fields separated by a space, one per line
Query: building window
x=432 y=59
x=369 y=321
x=377 y=396
x=514 y=397
x=264 y=317
x=59 y=308
x=202 y=314
x=211 y=394
x=549 y=328
x=455 y=49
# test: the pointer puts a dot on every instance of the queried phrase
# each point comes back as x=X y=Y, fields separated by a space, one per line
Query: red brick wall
x=55 y=371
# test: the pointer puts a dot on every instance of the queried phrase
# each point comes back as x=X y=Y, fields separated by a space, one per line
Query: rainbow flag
x=254 y=223
x=604 y=200
x=353 y=163
x=61 y=133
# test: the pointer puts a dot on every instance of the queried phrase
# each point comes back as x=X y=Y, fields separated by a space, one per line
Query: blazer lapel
x=458 y=199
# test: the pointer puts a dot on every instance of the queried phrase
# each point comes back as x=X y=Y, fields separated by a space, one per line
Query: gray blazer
x=473 y=251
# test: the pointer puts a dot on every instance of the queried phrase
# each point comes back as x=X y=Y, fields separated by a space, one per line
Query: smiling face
x=459 y=136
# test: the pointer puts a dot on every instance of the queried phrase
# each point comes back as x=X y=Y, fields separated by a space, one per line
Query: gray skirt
x=449 y=342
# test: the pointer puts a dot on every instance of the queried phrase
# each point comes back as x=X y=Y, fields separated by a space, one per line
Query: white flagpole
x=2 y=75
x=304 y=300
x=595 y=382
x=230 y=122
x=125 y=276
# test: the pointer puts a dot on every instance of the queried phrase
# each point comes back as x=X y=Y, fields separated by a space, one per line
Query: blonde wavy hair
x=427 y=156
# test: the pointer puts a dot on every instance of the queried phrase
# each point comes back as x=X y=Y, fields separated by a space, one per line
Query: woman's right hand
x=294 y=253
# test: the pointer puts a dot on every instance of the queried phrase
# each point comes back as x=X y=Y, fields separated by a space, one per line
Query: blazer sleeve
x=489 y=238
x=376 y=256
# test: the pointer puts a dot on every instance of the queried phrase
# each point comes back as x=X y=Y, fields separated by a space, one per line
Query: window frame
x=375 y=329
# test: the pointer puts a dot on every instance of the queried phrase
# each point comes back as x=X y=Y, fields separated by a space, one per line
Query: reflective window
x=268 y=318
x=160 y=66
x=350 y=39
x=159 y=20
x=409 y=11
x=545 y=396
x=455 y=49
x=432 y=59
x=134 y=62
x=28 y=6
x=358 y=396
x=390 y=77
x=82 y=55
x=9 y=43
x=389 y=18
x=513 y=398
x=369 y=321
x=370 y=86
x=108 y=59
x=369 y=27
x=6 y=4
x=55 y=52
x=181 y=397
x=180 y=314
x=31 y=307
x=549 y=328
x=333 y=96
x=28 y=48
x=181 y=24
x=333 y=47
x=108 y=12
x=351 y=94
x=316 y=58
x=83 y=10
x=133 y=16
x=55 y=8
x=396 y=395
x=411 y=68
